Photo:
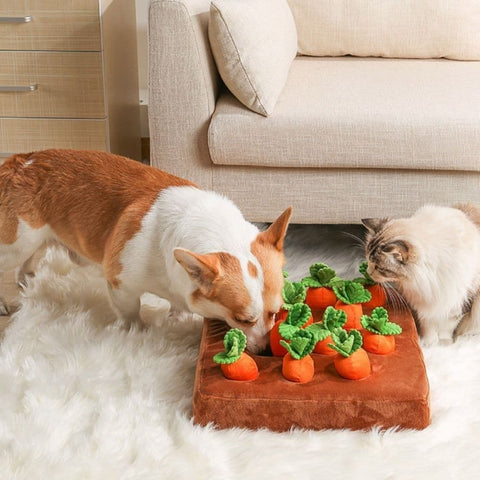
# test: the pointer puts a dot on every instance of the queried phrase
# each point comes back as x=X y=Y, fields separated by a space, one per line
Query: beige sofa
x=349 y=137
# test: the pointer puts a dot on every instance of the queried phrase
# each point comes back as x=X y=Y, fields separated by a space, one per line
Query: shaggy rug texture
x=81 y=398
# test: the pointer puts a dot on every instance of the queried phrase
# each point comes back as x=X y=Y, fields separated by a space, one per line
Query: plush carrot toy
x=350 y=296
x=292 y=293
x=332 y=319
x=319 y=286
x=297 y=365
x=234 y=362
x=299 y=316
x=379 y=333
x=379 y=297
x=352 y=360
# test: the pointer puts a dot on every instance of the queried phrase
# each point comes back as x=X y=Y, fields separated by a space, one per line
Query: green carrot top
x=366 y=279
x=378 y=323
x=345 y=342
x=293 y=292
x=235 y=342
x=321 y=275
x=297 y=317
x=332 y=319
x=351 y=292
x=301 y=344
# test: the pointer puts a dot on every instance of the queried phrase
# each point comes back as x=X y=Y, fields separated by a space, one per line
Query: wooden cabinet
x=68 y=76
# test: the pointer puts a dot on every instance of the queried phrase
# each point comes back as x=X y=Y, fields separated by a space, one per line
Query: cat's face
x=390 y=256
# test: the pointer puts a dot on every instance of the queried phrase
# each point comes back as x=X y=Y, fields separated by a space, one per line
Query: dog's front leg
x=126 y=304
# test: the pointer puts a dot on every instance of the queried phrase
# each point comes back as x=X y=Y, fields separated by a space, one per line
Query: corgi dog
x=149 y=231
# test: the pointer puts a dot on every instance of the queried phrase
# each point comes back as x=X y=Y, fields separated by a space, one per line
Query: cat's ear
x=275 y=233
x=374 y=225
x=399 y=250
x=202 y=269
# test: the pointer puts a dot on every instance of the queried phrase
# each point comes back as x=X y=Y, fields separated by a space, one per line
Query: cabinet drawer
x=26 y=134
x=61 y=84
x=50 y=25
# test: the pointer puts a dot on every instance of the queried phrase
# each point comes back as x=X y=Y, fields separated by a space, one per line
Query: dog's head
x=245 y=291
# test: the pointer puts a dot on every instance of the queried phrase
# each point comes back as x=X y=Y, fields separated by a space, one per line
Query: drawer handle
x=18 y=88
x=25 y=19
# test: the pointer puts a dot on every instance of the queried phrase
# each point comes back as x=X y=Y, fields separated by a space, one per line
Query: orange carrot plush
x=299 y=316
x=332 y=319
x=319 y=286
x=379 y=297
x=297 y=364
x=379 y=333
x=352 y=360
x=234 y=362
x=350 y=296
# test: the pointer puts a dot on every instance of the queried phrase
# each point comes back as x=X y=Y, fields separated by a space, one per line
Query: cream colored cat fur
x=433 y=259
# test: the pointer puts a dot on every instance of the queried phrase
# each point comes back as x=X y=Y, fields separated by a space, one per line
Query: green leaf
x=301 y=344
x=335 y=281
x=392 y=328
x=319 y=331
x=378 y=323
x=367 y=279
x=298 y=315
x=285 y=274
x=351 y=292
x=234 y=342
x=293 y=293
x=333 y=318
x=345 y=342
x=286 y=330
x=311 y=282
x=322 y=272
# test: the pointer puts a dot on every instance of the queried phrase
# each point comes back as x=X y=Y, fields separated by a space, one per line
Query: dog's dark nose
x=266 y=353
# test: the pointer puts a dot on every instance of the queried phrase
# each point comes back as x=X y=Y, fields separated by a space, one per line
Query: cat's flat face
x=389 y=255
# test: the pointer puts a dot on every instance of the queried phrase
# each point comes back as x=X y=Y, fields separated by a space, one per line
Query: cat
x=433 y=259
x=149 y=231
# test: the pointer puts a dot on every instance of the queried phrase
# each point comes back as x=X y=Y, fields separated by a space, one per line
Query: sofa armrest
x=183 y=87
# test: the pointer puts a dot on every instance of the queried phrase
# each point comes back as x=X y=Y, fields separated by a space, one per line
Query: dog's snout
x=257 y=345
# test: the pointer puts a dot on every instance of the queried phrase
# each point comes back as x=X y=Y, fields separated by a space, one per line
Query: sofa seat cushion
x=359 y=113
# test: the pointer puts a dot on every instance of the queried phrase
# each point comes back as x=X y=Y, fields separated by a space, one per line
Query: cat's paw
x=429 y=339
x=445 y=341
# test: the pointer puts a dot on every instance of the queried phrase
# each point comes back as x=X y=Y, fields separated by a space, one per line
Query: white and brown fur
x=150 y=232
x=433 y=259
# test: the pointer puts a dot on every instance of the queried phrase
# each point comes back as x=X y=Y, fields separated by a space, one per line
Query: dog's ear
x=275 y=233
x=202 y=269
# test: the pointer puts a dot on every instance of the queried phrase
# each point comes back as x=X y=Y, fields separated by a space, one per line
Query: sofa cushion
x=359 y=113
x=390 y=28
x=253 y=43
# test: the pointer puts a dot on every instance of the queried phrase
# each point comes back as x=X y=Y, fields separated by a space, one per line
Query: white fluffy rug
x=80 y=398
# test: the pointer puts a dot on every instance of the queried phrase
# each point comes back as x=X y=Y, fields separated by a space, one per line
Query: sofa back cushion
x=254 y=43
x=389 y=28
